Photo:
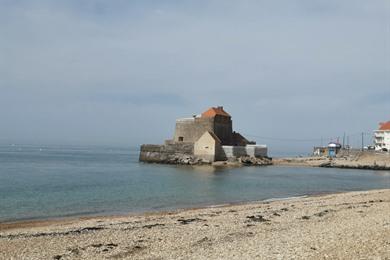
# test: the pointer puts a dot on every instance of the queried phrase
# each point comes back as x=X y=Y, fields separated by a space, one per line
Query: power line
x=308 y=139
x=284 y=139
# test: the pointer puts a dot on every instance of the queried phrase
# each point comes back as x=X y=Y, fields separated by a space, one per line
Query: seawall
x=177 y=153
x=183 y=153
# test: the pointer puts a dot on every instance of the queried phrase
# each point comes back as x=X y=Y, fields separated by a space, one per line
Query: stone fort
x=215 y=120
x=208 y=136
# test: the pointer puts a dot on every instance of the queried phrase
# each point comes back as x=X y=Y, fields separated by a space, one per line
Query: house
x=331 y=150
x=320 y=151
x=382 y=137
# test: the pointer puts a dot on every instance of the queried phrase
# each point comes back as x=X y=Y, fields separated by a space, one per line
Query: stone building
x=208 y=147
x=208 y=136
x=215 y=120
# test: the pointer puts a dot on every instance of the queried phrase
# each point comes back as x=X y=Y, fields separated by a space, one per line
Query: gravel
x=354 y=225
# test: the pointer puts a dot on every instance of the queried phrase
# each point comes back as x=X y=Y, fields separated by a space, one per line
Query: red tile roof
x=213 y=111
x=384 y=126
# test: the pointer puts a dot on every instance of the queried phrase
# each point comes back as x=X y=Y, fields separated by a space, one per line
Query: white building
x=382 y=137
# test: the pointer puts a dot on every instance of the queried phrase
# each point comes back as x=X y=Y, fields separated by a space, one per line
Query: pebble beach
x=353 y=225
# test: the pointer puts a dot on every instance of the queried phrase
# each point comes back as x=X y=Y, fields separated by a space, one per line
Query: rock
x=185 y=161
x=204 y=161
x=249 y=161
x=326 y=164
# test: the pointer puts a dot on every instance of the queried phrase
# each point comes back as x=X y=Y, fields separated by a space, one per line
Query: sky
x=116 y=72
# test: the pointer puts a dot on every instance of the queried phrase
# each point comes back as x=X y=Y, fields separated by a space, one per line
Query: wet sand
x=354 y=225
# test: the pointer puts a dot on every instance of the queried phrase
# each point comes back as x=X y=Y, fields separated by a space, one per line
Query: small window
x=181 y=138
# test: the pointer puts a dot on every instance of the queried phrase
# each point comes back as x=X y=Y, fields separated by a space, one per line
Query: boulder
x=255 y=161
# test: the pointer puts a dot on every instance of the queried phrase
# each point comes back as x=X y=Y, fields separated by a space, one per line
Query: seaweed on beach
x=257 y=218
x=44 y=234
x=189 y=220
x=153 y=225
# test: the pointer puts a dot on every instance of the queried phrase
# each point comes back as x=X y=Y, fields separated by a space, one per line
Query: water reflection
x=209 y=169
x=382 y=173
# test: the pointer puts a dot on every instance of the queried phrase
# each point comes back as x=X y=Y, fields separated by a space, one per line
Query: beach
x=352 y=225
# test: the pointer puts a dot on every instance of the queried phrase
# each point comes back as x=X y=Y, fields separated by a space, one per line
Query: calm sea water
x=49 y=182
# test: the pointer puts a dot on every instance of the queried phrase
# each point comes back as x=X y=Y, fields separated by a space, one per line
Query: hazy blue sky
x=121 y=72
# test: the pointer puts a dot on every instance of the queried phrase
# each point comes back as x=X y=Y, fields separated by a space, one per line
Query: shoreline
x=47 y=221
x=41 y=222
x=358 y=160
x=295 y=162
x=337 y=225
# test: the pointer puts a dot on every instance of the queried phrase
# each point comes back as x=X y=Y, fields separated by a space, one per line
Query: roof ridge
x=384 y=125
x=213 y=111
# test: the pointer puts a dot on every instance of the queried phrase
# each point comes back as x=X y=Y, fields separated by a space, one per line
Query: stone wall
x=183 y=153
x=166 y=153
x=205 y=147
x=234 y=151
x=223 y=128
x=249 y=150
x=191 y=129
x=257 y=150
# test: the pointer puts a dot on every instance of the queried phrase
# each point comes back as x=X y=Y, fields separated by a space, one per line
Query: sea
x=49 y=182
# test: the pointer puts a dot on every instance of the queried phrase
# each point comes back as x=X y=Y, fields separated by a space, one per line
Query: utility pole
x=344 y=141
x=362 y=141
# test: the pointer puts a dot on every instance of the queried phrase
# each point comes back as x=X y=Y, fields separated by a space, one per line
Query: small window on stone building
x=181 y=138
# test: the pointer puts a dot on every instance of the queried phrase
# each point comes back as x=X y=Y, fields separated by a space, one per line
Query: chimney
x=220 y=107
